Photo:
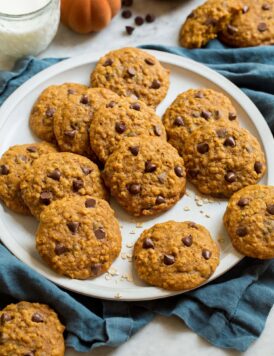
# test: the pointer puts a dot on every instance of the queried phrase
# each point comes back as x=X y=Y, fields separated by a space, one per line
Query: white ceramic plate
x=17 y=232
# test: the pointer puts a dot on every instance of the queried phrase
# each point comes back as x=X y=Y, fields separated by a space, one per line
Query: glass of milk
x=27 y=26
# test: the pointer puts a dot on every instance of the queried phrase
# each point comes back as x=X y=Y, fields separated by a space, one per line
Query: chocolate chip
x=149 y=61
x=160 y=200
x=179 y=171
x=46 y=198
x=193 y=225
x=245 y=9
x=126 y=14
x=77 y=184
x=84 y=100
x=169 y=260
x=262 y=27
x=221 y=133
x=71 y=91
x=229 y=141
x=90 y=203
x=270 y=209
x=139 y=20
x=37 y=318
x=129 y=29
x=50 y=112
x=150 y=18
x=108 y=62
x=70 y=133
x=73 y=226
x=206 y=254
x=134 y=150
x=4 y=170
x=232 y=116
x=241 y=231
x=258 y=167
x=206 y=114
x=179 y=121
x=135 y=106
x=187 y=240
x=120 y=127
x=210 y=21
x=111 y=104
x=157 y=130
x=243 y=202
x=203 y=147
x=192 y=173
x=134 y=188
x=148 y=243
x=32 y=149
x=55 y=175
x=96 y=268
x=155 y=84
x=131 y=72
x=230 y=177
x=266 y=7
x=60 y=249
x=86 y=170
x=199 y=95
x=232 y=29
x=150 y=167
x=217 y=114
x=100 y=233
x=162 y=177
x=5 y=317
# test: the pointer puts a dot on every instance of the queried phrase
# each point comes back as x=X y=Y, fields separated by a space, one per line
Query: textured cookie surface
x=72 y=120
x=221 y=160
x=254 y=26
x=57 y=175
x=44 y=109
x=125 y=118
x=132 y=72
x=146 y=175
x=194 y=108
x=13 y=164
x=249 y=220
x=175 y=255
x=29 y=329
x=79 y=237
x=206 y=21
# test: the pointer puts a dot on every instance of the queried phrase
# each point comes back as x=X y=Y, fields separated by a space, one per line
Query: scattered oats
x=132 y=232
x=113 y=271
x=186 y=208
x=129 y=279
x=199 y=202
x=221 y=239
x=139 y=225
x=207 y=216
x=130 y=244
x=123 y=256
x=107 y=276
x=201 y=212
x=118 y=296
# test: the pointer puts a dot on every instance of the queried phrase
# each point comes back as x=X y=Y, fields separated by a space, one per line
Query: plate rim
x=230 y=260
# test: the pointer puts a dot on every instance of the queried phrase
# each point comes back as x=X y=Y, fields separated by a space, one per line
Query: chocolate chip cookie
x=194 y=108
x=207 y=20
x=254 y=26
x=13 y=164
x=124 y=118
x=72 y=120
x=79 y=236
x=221 y=160
x=58 y=175
x=43 y=111
x=28 y=329
x=146 y=175
x=132 y=72
x=249 y=219
x=176 y=255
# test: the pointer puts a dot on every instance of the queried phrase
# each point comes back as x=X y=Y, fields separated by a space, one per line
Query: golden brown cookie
x=72 y=120
x=207 y=20
x=194 y=108
x=13 y=164
x=221 y=160
x=132 y=72
x=254 y=26
x=249 y=220
x=79 y=237
x=58 y=175
x=124 y=118
x=176 y=255
x=29 y=329
x=146 y=175
x=43 y=111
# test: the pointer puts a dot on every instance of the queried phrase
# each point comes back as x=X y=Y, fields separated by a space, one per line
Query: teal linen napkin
x=229 y=312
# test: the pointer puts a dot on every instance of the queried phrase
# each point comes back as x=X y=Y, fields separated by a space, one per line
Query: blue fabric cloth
x=229 y=312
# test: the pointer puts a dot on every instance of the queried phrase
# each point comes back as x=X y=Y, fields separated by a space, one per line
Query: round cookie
x=221 y=160
x=28 y=329
x=132 y=72
x=249 y=220
x=43 y=111
x=175 y=255
x=194 y=108
x=125 y=118
x=146 y=175
x=57 y=175
x=254 y=26
x=79 y=236
x=13 y=164
x=72 y=120
x=206 y=21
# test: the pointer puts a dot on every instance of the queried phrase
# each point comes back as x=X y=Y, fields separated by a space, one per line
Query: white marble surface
x=163 y=336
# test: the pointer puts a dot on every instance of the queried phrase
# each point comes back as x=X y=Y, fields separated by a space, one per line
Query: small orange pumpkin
x=86 y=16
